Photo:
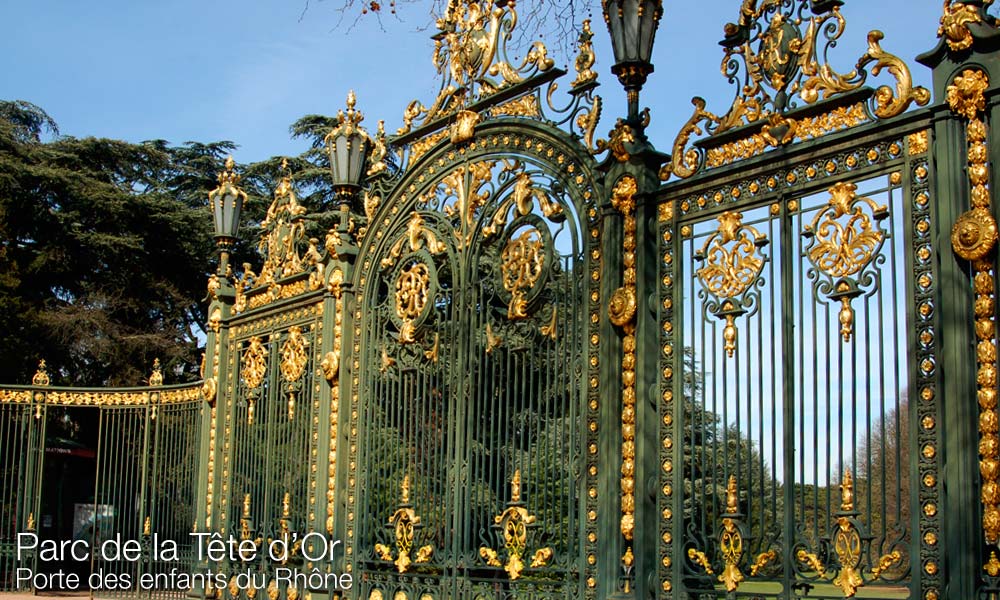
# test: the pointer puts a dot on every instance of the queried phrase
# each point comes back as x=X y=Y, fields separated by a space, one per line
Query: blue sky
x=244 y=71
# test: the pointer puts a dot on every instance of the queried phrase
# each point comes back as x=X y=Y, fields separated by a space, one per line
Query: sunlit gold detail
x=411 y=298
x=418 y=236
x=293 y=364
x=585 y=57
x=619 y=136
x=338 y=325
x=433 y=354
x=847 y=542
x=844 y=242
x=731 y=539
x=464 y=127
x=513 y=524
x=762 y=561
x=525 y=106
x=282 y=233
x=886 y=561
x=779 y=67
x=254 y=363
x=955 y=24
x=41 y=376
x=732 y=262
x=973 y=237
x=992 y=566
x=387 y=361
x=469 y=54
x=621 y=312
x=701 y=559
x=812 y=561
x=521 y=264
x=404 y=522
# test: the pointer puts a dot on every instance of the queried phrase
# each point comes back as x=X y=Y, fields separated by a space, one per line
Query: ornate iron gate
x=137 y=470
x=509 y=371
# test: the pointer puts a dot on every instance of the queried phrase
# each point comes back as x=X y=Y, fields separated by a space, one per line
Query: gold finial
x=348 y=123
x=147 y=526
x=847 y=492
x=732 y=496
x=230 y=163
x=284 y=164
x=246 y=505
x=286 y=505
x=515 y=486
x=31 y=520
x=156 y=377
x=405 y=489
x=41 y=375
x=585 y=57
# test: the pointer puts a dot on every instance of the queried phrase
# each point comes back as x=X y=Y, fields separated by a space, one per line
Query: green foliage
x=104 y=248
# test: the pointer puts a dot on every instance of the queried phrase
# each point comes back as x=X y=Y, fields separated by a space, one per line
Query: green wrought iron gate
x=474 y=373
x=492 y=367
x=130 y=475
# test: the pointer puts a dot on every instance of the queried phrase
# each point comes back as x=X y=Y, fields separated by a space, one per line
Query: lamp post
x=348 y=145
x=632 y=24
x=226 y=202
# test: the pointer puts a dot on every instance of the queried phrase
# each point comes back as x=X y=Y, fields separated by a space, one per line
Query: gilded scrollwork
x=404 y=523
x=41 y=376
x=293 y=364
x=622 y=312
x=418 y=236
x=522 y=263
x=411 y=297
x=733 y=264
x=781 y=46
x=254 y=368
x=955 y=24
x=585 y=57
x=470 y=55
x=522 y=198
x=844 y=240
x=513 y=524
x=974 y=237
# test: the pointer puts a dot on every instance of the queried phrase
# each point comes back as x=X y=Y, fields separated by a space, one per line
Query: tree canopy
x=104 y=250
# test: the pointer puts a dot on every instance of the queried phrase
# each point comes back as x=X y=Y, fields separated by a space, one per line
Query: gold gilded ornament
x=955 y=24
x=513 y=524
x=974 y=235
x=522 y=263
x=411 y=297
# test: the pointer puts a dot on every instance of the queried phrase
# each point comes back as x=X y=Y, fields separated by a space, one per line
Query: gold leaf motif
x=411 y=297
x=513 y=524
x=585 y=57
x=254 y=363
x=955 y=24
x=41 y=376
x=293 y=355
x=781 y=50
x=522 y=262
x=732 y=260
x=469 y=54
x=845 y=239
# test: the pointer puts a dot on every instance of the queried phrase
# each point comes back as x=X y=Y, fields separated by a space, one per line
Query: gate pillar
x=631 y=271
x=966 y=67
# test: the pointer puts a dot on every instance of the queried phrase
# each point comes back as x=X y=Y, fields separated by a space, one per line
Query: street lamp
x=348 y=144
x=226 y=201
x=632 y=24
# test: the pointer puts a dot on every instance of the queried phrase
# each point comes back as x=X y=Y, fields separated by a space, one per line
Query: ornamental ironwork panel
x=475 y=428
x=798 y=314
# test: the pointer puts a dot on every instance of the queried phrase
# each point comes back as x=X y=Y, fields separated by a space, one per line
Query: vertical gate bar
x=788 y=381
x=143 y=481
